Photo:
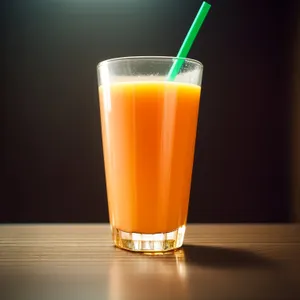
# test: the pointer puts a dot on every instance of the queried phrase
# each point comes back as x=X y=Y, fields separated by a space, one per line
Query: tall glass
x=149 y=129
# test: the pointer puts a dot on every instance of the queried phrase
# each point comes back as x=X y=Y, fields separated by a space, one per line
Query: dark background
x=53 y=163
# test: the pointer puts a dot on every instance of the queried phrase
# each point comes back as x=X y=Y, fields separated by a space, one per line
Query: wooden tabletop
x=61 y=262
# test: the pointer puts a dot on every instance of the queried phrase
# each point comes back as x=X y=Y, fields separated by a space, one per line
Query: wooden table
x=61 y=262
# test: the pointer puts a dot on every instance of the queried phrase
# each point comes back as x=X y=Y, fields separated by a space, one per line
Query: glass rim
x=163 y=58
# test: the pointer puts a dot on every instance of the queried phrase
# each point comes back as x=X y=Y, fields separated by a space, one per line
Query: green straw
x=189 y=40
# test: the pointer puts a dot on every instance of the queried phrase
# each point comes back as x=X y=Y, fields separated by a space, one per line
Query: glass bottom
x=141 y=242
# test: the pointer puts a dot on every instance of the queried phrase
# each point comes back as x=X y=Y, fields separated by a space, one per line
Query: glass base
x=141 y=242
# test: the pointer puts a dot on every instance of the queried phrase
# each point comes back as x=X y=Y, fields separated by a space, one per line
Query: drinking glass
x=149 y=126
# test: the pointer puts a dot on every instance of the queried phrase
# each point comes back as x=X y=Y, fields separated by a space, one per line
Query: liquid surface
x=148 y=134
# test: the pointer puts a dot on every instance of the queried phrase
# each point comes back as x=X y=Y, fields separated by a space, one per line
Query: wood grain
x=216 y=262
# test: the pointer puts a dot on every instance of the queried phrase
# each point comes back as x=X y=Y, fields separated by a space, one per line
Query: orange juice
x=148 y=134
